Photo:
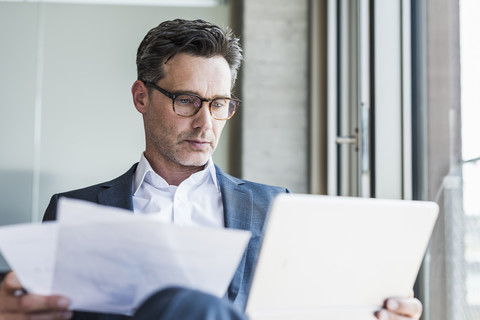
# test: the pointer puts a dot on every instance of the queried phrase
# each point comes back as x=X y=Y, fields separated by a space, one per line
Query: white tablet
x=328 y=257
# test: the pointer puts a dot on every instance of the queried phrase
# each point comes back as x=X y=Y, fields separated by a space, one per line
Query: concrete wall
x=275 y=93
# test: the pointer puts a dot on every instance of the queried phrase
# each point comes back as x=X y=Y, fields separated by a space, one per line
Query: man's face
x=174 y=141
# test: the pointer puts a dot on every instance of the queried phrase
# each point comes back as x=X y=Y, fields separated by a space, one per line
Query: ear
x=140 y=96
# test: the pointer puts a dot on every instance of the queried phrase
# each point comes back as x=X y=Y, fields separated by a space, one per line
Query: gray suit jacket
x=245 y=204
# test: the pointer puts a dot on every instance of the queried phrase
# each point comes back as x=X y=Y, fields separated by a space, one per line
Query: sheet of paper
x=106 y=260
x=30 y=249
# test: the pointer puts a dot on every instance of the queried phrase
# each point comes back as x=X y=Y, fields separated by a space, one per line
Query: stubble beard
x=179 y=151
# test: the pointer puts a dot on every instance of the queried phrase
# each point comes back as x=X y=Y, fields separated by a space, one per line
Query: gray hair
x=194 y=37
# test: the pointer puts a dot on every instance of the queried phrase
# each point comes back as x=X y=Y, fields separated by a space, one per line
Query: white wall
x=66 y=116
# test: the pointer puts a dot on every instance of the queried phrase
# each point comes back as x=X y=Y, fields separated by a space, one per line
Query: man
x=186 y=71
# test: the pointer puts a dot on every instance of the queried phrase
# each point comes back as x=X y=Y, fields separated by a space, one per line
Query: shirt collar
x=144 y=168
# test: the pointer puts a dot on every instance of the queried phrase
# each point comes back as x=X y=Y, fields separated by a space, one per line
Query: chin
x=192 y=159
x=194 y=162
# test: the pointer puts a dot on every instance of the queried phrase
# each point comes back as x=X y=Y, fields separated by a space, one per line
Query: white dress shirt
x=197 y=201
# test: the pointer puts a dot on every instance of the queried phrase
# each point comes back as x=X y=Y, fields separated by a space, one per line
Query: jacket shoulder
x=257 y=188
x=89 y=193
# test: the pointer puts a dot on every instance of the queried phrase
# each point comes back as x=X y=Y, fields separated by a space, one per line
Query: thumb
x=11 y=283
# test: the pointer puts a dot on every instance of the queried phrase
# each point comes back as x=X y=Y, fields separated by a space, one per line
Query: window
x=470 y=97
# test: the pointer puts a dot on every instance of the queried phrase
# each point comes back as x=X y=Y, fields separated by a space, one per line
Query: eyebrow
x=229 y=95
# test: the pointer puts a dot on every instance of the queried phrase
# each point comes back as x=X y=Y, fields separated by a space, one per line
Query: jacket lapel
x=238 y=207
x=118 y=192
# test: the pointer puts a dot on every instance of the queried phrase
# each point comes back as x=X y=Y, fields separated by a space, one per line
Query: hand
x=400 y=309
x=15 y=304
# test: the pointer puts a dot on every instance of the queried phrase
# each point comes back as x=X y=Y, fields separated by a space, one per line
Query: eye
x=185 y=100
x=220 y=103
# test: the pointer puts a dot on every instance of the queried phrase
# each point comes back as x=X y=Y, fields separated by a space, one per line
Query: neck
x=173 y=173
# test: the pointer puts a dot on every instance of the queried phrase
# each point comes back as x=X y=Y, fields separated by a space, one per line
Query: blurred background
x=340 y=97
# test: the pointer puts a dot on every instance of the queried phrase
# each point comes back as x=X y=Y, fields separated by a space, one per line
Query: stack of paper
x=108 y=260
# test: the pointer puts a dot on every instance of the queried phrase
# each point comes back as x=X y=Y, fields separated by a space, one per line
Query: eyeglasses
x=187 y=104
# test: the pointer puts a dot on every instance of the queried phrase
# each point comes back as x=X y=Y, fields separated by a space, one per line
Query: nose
x=203 y=119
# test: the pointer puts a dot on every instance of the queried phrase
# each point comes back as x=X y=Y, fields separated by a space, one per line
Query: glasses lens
x=186 y=105
x=223 y=108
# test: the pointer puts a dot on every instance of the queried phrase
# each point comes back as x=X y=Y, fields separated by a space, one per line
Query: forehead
x=198 y=74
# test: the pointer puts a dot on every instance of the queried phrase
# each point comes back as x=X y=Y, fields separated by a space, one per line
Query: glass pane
x=470 y=95
x=470 y=62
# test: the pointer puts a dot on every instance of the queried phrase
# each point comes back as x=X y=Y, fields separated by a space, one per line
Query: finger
x=9 y=301
x=11 y=283
x=13 y=316
x=31 y=303
x=61 y=315
x=388 y=315
x=409 y=307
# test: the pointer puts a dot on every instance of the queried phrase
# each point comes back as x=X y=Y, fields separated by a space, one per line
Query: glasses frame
x=173 y=96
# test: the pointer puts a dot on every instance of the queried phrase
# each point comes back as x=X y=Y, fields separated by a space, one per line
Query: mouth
x=198 y=144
